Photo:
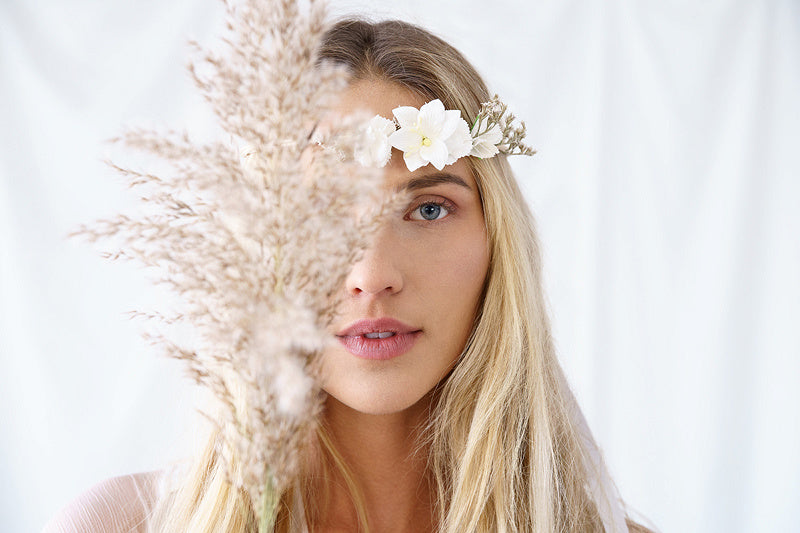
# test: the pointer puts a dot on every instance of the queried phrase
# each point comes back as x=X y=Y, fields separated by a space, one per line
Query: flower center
x=426 y=141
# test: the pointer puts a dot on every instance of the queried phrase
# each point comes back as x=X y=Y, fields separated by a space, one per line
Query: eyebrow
x=431 y=180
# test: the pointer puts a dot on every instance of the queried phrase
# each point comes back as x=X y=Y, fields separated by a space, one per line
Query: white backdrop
x=666 y=190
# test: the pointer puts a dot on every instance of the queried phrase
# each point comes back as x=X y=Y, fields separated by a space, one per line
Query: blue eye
x=429 y=211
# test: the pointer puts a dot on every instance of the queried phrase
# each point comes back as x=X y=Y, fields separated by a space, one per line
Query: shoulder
x=120 y=504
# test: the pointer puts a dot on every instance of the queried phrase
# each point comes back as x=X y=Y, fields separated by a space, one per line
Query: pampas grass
x=255 y=234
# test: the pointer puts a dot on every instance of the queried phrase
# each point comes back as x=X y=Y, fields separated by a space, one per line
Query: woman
x=446 y=408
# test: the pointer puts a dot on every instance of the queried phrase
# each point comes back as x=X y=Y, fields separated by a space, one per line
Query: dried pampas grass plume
x=255 y=236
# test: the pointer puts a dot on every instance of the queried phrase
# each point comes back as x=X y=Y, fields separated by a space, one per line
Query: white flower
x=374 y=149
x=484 y=143
x=430 y=134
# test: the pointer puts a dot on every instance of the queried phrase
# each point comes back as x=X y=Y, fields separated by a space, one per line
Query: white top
x=117 y=505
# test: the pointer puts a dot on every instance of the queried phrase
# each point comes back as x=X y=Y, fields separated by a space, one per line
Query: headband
x=439 y=136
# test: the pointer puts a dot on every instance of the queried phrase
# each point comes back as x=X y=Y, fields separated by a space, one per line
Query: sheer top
x=117 y=505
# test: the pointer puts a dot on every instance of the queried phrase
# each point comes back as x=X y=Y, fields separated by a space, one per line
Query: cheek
x=452 y=292
x=450 y=269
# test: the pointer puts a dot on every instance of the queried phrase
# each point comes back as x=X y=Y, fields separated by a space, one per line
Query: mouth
x=379 y=335
x=378 y=339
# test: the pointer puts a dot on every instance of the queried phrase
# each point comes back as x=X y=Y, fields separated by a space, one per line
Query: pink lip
x=354 y=341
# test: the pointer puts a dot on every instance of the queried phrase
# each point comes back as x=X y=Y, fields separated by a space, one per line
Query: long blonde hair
x=508 y=447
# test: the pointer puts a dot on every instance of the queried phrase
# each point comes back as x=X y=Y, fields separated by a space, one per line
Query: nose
x=377 y=272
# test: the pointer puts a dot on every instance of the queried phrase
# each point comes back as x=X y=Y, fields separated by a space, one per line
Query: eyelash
x=443 y=203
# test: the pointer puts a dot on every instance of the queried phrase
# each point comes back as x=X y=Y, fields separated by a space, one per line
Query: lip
x=353 y=340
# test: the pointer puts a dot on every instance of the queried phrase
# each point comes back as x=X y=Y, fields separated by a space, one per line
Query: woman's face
x=412 y=299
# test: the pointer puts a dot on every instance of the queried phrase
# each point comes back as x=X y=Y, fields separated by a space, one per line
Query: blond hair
x=508 y=447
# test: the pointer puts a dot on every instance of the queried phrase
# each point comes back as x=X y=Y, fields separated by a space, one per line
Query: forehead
x=379 y=97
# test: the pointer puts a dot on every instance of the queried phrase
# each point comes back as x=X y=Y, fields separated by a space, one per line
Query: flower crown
x=439 y=136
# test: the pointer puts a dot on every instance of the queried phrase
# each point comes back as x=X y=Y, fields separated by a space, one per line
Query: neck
x=383 y=455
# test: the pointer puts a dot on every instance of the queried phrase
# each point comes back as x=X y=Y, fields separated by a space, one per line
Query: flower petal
x=414 y=160
x=406 y=139
x=406 y=116
x=459 y=144
x=436 y=153
x=484 y=149
x=451 y=122
x=374 y=149
x=431 y=119
x=382 y=125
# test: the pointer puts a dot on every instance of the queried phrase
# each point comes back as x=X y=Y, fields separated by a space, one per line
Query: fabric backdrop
x=665 y=188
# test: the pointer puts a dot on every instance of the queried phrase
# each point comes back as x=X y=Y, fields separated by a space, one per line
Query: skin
x=429 y=275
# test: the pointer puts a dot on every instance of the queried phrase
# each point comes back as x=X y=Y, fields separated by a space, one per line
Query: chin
x=377 y=402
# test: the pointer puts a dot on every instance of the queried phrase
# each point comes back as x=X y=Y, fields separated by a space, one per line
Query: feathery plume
x=256 y=236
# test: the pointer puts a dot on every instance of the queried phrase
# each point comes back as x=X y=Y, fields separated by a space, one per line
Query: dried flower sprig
x=496 y=124
x=256 y=242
